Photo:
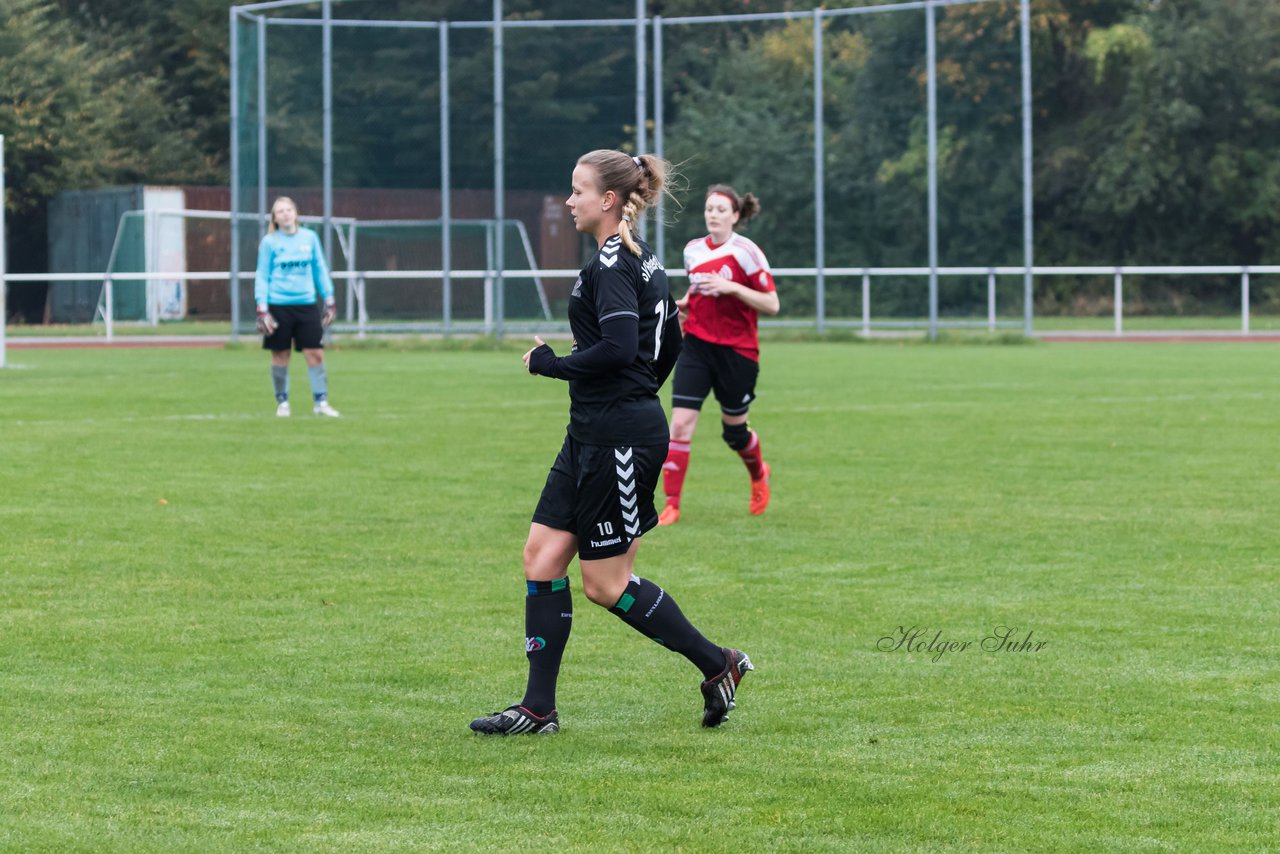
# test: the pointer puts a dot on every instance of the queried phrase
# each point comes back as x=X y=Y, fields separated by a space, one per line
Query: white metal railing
x=362 y=324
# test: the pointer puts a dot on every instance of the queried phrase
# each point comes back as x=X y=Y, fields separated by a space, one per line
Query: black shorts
x=298 y=324
x=602 y=494
x=703 y=367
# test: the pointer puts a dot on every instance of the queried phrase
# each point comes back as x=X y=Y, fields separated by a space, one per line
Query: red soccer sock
x=752 y=457
x=673 y=471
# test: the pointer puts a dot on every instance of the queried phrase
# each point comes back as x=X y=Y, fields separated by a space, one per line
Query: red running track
x=76 y=343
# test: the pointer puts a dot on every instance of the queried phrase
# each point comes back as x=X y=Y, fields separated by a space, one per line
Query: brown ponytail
x=746 y=206
x=638 y=181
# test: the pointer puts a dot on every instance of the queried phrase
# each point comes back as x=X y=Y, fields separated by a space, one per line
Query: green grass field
x=227 y=631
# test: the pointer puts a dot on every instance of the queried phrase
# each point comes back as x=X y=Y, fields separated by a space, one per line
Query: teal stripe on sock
x=539 y=588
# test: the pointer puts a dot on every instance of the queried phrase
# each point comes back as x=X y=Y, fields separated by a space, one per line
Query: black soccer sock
x=651 y=611
x=548 y=616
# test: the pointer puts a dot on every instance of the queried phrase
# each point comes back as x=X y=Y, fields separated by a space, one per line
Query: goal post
x=387 y=273
x=415 y=248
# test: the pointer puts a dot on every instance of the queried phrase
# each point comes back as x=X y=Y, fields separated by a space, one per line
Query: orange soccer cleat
x=669 y=515
x=759 y=493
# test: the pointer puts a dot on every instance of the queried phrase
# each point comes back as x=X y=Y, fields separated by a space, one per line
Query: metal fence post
x=326 y=56
x=1028 y=213
x=991 y=301
x=1244 y=301
x=659 y=146
x=931 y=60
x=351 y=266
x=352 y=256
x=488 y=279
x=446 y=188
x=262 y=124
x=108 y=311
x=1119 y=301
x=866 y=303
x=150 y=264
x=233 y=279
x=362 y=313
x=642 y=134
x=499 y=175
x=641 y=95
x=819 y=180
x=4 y=248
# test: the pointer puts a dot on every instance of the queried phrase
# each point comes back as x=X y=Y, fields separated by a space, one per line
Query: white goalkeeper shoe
x=282 y=410
x=323 y=408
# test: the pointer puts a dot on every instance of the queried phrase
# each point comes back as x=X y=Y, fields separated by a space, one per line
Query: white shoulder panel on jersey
x=749 y=255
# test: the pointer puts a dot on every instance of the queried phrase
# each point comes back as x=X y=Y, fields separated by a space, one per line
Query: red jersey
x=726 y=320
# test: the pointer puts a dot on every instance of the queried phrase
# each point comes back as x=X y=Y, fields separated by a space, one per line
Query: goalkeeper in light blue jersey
x=292 y=274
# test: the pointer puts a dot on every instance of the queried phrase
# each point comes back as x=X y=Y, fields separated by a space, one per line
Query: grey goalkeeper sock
x=280 y=379
x=319 y=382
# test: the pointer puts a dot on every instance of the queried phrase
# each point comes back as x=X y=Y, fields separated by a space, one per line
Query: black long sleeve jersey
x=613 y=388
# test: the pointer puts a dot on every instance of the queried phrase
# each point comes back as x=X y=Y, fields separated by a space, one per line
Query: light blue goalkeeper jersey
x=291 y=269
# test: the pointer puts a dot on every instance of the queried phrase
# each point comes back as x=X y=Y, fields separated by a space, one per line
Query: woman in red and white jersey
x=729 y=285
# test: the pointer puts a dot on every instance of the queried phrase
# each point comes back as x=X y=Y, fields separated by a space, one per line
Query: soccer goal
x=389 y=275
x=169 y=264
x=401 y=276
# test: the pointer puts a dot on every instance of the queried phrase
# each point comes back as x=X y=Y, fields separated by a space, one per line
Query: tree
x=1188 y=171
x=180 y=50
x=74 y=116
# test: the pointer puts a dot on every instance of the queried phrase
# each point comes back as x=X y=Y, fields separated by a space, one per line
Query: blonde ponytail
x=630 y=214
x=640 y=180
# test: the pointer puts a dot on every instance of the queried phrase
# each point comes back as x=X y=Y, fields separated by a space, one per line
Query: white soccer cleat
x=282 y=411
x=323 y=408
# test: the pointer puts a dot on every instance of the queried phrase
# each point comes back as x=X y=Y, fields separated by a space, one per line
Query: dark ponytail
x=746 y=206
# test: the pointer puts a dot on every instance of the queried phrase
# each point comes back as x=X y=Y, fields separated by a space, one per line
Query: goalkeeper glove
x=330 y=313
x=266 y=324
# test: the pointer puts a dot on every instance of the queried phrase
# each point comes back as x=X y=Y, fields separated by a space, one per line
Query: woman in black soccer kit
x=598 y=497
